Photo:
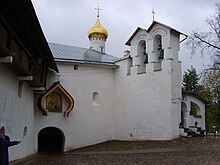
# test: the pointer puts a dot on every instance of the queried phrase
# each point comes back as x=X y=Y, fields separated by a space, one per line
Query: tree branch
x=206 y=42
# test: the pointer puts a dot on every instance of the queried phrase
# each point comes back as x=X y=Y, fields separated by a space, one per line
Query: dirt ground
x=180 y=151
x=115 y=145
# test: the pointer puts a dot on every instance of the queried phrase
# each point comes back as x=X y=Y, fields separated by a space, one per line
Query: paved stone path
x=179 y=155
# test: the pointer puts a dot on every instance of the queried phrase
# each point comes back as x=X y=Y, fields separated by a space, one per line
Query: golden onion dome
x=98 y=31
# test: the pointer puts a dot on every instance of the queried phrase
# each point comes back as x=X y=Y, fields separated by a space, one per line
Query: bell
x=161 y=54
x=146 y=58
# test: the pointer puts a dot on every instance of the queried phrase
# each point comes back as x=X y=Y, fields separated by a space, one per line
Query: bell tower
x=97 y=35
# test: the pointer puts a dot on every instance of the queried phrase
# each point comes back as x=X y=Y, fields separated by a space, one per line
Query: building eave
x=132 y=36
x=196 y=96
x=155 y=22
x=27 y=29
x=82 y=62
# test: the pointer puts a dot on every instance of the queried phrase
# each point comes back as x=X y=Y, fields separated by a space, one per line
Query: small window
x=193 y=111
x=25 y=131
x=20 y=87
x=129 y=66
x=95 y=98
x=75 y=67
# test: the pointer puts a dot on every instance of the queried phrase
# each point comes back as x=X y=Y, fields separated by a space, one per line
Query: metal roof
x=132 y=36
x=66 y=53
x=169 y=27
x=148 y=30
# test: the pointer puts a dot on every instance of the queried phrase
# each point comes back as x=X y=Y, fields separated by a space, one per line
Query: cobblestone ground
x=181 y=151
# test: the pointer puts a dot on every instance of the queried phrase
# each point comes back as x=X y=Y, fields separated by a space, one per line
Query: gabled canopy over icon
x=65 y=97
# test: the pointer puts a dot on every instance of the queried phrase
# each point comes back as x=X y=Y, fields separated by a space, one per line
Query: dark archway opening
x=51 y=139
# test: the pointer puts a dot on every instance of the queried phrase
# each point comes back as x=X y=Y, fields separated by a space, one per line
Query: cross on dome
x=98 y=9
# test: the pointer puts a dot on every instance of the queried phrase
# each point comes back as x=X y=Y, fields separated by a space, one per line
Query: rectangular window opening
x=20 y=87
x=75 y=67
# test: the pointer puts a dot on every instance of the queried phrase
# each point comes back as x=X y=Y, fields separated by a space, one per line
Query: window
x=20 y=87
x=75 y=67
x=95 y=98
x=195 y=110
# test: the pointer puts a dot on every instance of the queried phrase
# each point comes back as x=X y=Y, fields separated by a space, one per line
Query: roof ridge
x=66 y=45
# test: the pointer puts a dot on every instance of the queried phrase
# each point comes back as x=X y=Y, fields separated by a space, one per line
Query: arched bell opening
x=142 y=57
x=158 y=52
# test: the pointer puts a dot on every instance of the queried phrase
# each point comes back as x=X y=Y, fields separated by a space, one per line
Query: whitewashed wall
x=148 y=105
x=176 y=95
x=16 y=113
x=89 y=122
x=143 y=104
x=98 y=44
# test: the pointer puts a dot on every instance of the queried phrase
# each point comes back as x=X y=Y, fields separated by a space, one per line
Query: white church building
x=94 y=97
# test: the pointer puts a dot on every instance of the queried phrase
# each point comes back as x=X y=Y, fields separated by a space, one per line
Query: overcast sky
x=68 y=21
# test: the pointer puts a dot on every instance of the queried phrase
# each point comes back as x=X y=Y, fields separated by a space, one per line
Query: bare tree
x=208 y=43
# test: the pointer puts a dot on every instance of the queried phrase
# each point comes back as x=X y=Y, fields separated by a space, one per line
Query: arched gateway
x=51 y=139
